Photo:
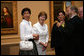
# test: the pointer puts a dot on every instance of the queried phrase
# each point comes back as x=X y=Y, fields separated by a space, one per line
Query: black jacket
x=57 y=39
x=74 y=36
x=68 y=40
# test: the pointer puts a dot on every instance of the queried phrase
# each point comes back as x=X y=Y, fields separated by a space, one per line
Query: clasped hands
x=36 y=36
x=44 y=46
x=59 y=23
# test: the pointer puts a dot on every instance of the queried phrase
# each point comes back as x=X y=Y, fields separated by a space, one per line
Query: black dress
x=73 y=37
x=57 y=39
x=30 y=52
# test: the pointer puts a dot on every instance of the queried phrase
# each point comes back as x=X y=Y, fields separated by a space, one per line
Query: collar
x=25 y=20
x=40 y=24
x=28 y=22
x=73 y=15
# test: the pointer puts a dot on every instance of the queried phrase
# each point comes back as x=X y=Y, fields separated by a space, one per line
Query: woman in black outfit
x=57 y=35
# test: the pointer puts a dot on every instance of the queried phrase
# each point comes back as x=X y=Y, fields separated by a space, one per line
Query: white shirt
x=73 y=15
x=42 y=31
x=26 y=30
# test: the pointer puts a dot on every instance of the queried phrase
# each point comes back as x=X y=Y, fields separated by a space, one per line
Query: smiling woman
x=42 y=29
x=26 y=35
x=55 y=6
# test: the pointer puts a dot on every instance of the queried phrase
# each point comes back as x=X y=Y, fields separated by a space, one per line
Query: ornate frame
x=15 y=23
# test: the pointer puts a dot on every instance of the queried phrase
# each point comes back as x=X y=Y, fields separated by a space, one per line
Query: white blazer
x=26 y=30
x=42 y=31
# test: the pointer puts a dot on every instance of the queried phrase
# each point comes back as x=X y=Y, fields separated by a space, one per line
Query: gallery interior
x=10 y=36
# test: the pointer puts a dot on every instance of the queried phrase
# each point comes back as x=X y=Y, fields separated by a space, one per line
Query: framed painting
x=68 y=3
x=9 y=17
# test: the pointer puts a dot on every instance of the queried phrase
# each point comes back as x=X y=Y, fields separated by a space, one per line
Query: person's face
x=68 y=11
x=42 y=19
x=26 y=15
x=81 y=12
x=5 y=10
x=61 y=17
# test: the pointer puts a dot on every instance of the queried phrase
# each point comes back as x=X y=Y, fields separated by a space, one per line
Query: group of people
x=38 y=34
x=66 y=35
x=67 y=32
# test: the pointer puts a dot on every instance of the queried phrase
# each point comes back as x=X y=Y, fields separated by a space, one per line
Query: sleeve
x=53 y=37
x=47 y=36
x=35 y=31
x=23 y=35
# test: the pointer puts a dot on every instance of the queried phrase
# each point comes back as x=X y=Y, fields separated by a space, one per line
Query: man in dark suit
x=73 y=32
x=81 y=17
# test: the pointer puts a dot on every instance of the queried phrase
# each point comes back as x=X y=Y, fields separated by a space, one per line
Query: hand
x=36 y=36
x=52 y=48
x=43 y=48
x=45 y=45
x=59 y=24
x=41 y=43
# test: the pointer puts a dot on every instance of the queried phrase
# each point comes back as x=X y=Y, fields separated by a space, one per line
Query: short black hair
x=42 y=14
x=26 y=9
x=60 y=11
x=74 y=8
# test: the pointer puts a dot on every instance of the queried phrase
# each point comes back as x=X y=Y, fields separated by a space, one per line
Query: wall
x=77 y=3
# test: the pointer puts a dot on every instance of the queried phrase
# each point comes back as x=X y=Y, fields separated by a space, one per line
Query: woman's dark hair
x=74 y=8
x=60 y=12
x=26 y=9
x=42 y=14
x=57 y=14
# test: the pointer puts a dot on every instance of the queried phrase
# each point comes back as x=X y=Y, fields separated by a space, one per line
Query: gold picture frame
x=9 y=24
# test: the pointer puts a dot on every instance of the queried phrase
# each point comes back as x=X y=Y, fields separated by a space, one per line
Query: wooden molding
x=51 y=15
x=10 y=41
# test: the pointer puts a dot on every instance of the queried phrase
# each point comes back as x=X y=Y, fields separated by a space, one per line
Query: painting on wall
x=68 y=3
x=8 y=17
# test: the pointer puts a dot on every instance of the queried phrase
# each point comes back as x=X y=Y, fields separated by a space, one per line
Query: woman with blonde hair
x=42 y=29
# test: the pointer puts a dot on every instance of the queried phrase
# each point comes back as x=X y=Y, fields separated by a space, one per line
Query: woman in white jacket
x=26 y=33
x=41 y=29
